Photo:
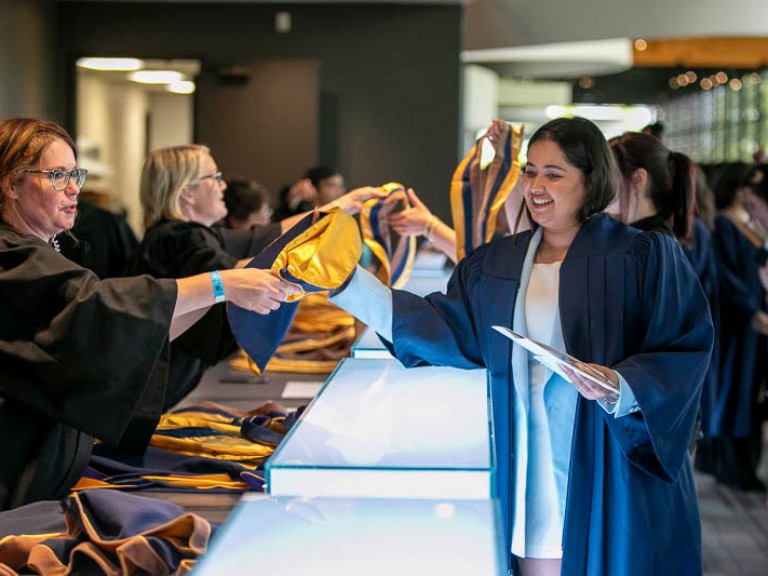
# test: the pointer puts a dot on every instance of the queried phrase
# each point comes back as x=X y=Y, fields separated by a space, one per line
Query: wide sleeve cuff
x=368 y=300
x=626 y=404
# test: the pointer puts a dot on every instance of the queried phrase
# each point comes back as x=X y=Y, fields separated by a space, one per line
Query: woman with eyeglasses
x=81 y=357
x=182 y=194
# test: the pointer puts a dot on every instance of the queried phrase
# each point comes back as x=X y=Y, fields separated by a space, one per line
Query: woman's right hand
x=760 y=322
x=260 y=291
x=412 y=221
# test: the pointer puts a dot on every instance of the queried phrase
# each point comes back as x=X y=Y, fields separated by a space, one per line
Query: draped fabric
x=394 y=253
x=205 y=447
x=478 y=192
x=319 y=337
x=319 y=253
x=79 y=357
x=108 y=532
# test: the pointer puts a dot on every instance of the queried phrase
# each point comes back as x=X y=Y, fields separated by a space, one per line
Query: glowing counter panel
x=346 y=537
x=377 y=429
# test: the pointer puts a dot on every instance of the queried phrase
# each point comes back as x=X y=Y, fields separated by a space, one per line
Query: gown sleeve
x=86 y=352
x=669 y=335
x=440 y=329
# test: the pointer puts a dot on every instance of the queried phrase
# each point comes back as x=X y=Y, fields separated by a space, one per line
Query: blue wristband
x=218 y=287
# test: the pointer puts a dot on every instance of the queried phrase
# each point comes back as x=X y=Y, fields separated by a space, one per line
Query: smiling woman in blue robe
x=590 y=481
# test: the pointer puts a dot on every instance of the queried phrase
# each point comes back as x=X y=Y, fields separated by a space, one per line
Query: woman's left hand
x=591 y=390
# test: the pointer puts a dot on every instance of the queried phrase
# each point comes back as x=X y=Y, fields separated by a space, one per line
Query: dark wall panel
x=27 y=43
x=389 y=75
x=245 y=117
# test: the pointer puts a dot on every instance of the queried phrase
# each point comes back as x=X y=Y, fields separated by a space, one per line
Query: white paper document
x=301 y=390
x=556 y=360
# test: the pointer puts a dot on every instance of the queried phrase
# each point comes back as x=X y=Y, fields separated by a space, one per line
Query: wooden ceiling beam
x=718 y=52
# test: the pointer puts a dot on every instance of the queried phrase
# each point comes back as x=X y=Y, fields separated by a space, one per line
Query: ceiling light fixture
x=155 y=76
x=181 y=87
x=111 y=64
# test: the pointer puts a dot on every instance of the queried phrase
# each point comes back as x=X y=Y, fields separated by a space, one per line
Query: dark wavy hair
x=585 y=148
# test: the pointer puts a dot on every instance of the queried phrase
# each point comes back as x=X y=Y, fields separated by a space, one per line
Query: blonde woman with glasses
x=182 y=194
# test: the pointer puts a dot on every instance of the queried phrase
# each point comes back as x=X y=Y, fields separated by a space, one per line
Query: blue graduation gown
x=742 y=350
x=701 y=255
x=628 y=300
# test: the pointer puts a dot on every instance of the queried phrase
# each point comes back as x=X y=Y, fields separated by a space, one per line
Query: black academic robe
x=100 y=241
x=76 y=354
x=742 y=350
x=176 y=249
x=628 y=300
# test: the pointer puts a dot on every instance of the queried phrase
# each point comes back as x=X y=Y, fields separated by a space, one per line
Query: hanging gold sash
x=478 y=193
x=394 y=253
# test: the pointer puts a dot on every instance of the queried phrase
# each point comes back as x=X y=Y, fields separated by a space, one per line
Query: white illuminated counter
x=377 y=429
x=422 y=282
x=346 y=537
x=368 y=346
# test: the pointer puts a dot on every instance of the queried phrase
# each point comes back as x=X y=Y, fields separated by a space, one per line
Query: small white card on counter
x=301 y=389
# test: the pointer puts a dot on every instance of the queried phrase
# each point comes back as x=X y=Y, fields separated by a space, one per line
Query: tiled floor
x=734 y=524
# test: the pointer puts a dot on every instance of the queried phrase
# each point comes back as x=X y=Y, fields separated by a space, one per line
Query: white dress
x=543 y=522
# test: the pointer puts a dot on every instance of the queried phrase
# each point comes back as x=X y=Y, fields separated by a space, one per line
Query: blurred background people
x=319 y=185
x=739 y=244
x=247 y=204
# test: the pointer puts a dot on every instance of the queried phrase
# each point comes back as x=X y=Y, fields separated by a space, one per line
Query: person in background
x=657 y=186
x=319 y=185
x=655 y=130
x=739 y=241
x=657 y=192
x=81 y=357
x=247 y=204
x=182 y=194
x=578 y=461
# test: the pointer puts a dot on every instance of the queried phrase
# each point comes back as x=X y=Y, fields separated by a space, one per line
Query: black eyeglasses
x=218 y=176
x=60 y=178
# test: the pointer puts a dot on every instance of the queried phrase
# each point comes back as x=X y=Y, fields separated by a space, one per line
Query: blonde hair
x=165 y=174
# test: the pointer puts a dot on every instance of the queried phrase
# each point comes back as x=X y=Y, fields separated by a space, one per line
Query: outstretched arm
x=257 y=290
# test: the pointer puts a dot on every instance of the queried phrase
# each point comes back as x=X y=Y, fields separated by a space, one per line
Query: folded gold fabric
x=323 y=256
x=112 y=533
x=319 y=254
x=394 y=253
x=320 y=336
x=478 y=192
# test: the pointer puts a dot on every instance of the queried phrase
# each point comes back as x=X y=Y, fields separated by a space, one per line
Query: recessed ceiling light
x=155 y=76
x=111 y=64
